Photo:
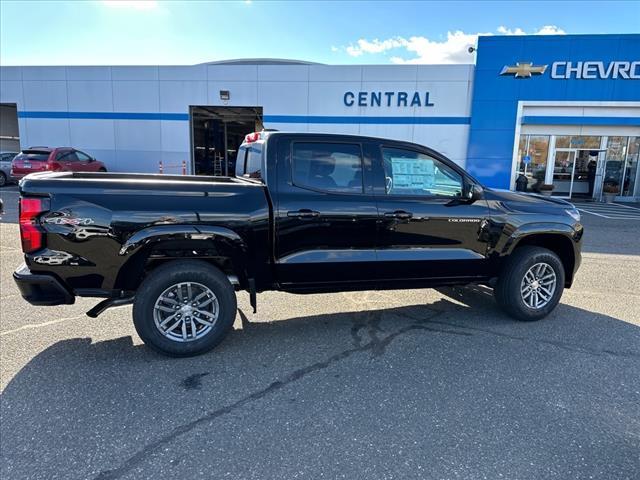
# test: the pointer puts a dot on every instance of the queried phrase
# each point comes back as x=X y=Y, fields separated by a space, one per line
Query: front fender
x=509 y=241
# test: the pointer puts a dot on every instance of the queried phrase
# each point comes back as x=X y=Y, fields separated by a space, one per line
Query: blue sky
x=176 y=33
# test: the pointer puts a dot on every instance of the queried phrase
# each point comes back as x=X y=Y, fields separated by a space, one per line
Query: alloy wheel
x=538 y=285
x=186 y=311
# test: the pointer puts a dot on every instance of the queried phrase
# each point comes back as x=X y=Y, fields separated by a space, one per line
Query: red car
x=59 y=159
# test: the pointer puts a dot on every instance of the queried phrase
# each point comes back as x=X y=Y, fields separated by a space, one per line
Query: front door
x=84 y=163
x=426 y=232
x=563 y=171
x=67 y=159
x=325 y=217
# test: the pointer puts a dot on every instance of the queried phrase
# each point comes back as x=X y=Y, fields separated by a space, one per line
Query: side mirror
x=472 y=192
x=91 y=159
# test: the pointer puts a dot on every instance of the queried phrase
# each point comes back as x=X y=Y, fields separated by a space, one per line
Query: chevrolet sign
x=595 y=70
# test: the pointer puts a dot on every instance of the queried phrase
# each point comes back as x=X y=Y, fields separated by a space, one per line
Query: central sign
x=388 y=99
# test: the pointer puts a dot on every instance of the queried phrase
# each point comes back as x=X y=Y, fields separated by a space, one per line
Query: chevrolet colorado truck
x=305 y=213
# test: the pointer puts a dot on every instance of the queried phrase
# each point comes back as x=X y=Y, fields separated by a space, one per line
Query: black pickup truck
x=305 y=213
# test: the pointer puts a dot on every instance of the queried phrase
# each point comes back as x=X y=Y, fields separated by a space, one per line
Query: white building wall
x=113 y=94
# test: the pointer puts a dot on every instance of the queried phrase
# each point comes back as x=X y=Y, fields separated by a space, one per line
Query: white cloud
x=502 y=30
x=132 y=4
x=375 y=46
x=550 y=30
x=545 y=30
x=454 y=49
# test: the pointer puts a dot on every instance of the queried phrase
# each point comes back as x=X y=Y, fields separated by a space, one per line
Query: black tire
x=172 y=273
x=102 y=170
x=507 y=290
x=3 y=179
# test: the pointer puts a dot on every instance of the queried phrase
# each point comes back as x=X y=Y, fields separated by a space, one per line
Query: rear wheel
x=184 y=308
x=531 y=283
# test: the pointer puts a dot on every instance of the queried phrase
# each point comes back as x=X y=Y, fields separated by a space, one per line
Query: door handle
x=303 y=213
x=401 y=214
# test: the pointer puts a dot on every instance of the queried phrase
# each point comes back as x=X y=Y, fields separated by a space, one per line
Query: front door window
x=416 y=174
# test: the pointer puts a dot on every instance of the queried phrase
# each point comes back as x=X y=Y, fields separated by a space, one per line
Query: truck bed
x=93 y=217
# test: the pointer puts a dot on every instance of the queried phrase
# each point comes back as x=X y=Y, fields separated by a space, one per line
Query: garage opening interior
x=9 y=136
x=216 y=134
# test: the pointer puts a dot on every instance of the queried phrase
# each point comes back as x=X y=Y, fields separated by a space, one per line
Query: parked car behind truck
x=5 y=167
x=60 y=159
x=305 y=213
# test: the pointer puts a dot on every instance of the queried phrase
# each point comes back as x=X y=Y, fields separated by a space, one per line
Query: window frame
x=88 y=159
x=464 y=176
x=320 y=190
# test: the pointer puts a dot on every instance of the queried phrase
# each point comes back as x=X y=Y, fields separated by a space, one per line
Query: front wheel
x=184 y=308
x=3 y=179
x=530 y=284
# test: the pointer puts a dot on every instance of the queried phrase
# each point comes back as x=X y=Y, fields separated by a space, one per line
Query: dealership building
x=562 y=110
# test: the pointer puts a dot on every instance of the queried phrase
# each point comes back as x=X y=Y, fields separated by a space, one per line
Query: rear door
x=427 y=231
x=325 y=213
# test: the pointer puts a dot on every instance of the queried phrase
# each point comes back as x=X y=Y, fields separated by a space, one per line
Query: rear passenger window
x=330 y=167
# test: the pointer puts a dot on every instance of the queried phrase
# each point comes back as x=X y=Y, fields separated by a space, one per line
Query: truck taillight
x=31 y=234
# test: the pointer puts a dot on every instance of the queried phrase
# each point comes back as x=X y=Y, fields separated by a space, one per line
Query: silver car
x=5 y=167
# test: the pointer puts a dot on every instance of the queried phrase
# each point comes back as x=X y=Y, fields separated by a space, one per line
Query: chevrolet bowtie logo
x=523 y=70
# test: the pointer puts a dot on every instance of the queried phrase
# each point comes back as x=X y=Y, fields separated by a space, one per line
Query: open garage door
x=9 y=136
x=216 y=134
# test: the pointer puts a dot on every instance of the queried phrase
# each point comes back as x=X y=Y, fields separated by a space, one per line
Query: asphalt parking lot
x=406 y=384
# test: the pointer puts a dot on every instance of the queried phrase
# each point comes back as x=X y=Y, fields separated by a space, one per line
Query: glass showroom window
x=522 y=151
x=614 y=166
x=630 y=177
x=537 y=148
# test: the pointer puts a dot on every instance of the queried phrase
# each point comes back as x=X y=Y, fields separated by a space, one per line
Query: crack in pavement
x=376 y=346
x=555 y=343
x=39 y=325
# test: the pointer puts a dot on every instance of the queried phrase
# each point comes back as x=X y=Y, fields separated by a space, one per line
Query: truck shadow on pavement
x=452 y=385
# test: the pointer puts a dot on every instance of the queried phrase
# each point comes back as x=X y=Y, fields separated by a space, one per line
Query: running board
x=108 y=303
x=118 y=302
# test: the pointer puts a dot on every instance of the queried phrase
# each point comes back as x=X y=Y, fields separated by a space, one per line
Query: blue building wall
x=495 y=97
